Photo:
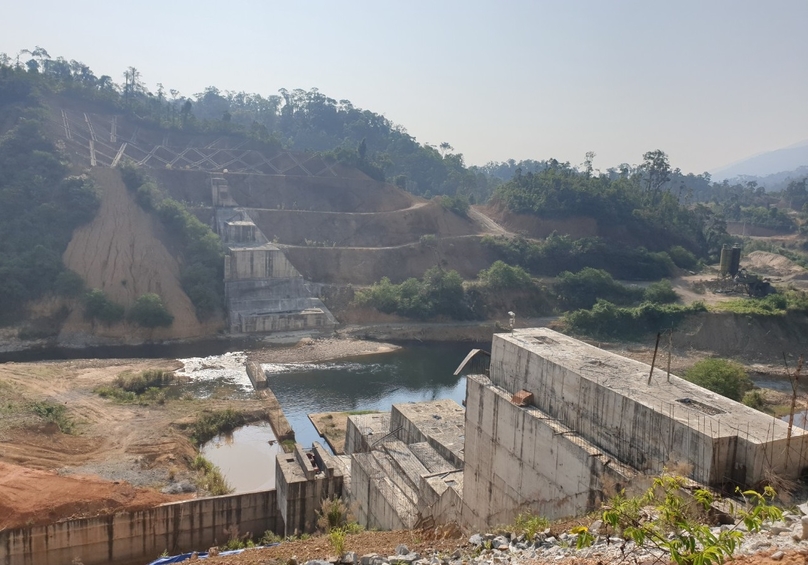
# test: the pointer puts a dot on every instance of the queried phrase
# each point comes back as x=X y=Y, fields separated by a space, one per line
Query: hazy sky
x=709 y=82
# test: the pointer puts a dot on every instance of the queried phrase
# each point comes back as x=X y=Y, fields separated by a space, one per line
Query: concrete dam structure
x=263 y=290
x=554 y=427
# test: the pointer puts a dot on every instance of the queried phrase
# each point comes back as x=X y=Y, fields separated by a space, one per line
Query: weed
x=209 y=477
x=288 y=445
x=333 y=513
x=53 y=412
x=211 y=424
x=529 y=524
x=270 y=538
x=336 y=538
x=678 y=529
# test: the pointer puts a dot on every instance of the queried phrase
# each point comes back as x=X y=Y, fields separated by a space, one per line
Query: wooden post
x=653 y=361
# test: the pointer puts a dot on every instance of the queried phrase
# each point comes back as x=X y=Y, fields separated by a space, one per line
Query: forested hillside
x=41 y=203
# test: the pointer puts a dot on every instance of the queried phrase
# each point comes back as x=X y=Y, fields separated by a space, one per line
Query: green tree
x=501 y=276
x=721 y=376
x=150 y=312
x=98 y=307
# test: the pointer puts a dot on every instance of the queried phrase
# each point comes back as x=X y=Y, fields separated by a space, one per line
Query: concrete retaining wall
x=138 y=537
x=607 y=400
x=519 y=459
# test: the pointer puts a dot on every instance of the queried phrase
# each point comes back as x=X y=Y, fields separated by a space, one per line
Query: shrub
x=150 y=312
x=720 y=376
x=660 y=292
x=141 y=382
x=501 y=276
x=605 y=320
x=438 y=293
x=98 y=307
x=458 y=204
x=754 y=399
x=683 y=258
x=53 y=412
x=209 y=477
x=69 y=284
x=211 y=424
x=583 y=289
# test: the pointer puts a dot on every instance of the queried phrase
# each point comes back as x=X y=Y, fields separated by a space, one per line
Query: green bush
x=720 y=376
x=53 y=412
x=584 y=288
x=438 y=293
x=149 y=312
x=501 y=276
x=660 y=292
x=458 y=204
x=211 y=424
x=754 y=399
x=69 y=284
x=605 y=320
x=559 y=253
x=140 y=382
x=98 y=307
x=683 y=258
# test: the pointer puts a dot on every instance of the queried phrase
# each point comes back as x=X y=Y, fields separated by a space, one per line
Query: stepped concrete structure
x=263 y=290
x=554 y=426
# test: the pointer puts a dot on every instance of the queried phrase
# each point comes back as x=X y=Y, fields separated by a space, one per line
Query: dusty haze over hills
x=708 y=82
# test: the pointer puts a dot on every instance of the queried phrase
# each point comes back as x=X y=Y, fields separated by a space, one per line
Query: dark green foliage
x=584 y=288
x=69 y=283
x=560 y=253
x=683 y=258
x=721 y=376
x=438 y=293
x=771 y=217
x=605 y=320
x=458 y=204
x=149 y=312
x=637 y=203
x=211 y=424
x=660 y=292
x=40 y=206
x=98 y=307
x=501 y=276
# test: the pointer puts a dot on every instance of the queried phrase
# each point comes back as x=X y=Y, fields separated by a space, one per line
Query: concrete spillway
x=263 y=290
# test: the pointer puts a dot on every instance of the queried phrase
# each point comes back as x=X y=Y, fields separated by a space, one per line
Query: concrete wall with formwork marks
x=608 y=400
x=139 y=537
x=519 y=459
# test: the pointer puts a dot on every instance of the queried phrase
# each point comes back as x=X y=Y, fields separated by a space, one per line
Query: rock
x=475 y=540
x=501 y=543
x=348 y=558
x=213 y=551
x=368 y=558
x=777 y=530
x=803 y=507
x=551 y=540
x=777 y=556
x=317 y=562
x=804 y=522
x=594 y=527
x=292 y=560
x=408 y=558
x=456 y=554
x=379 y=560
x=402 y=549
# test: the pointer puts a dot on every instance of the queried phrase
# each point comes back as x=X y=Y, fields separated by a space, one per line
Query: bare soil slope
x=120 y=253
x=350 y=192
x=366 y=265
x=382 y=229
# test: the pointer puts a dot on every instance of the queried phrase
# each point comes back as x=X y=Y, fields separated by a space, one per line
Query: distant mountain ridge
x=793 y=158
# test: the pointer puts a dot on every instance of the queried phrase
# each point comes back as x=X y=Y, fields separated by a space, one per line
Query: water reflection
x=373 y=382
x=246 y=457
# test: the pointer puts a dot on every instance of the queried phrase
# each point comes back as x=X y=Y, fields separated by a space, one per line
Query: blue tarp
x=202 y=555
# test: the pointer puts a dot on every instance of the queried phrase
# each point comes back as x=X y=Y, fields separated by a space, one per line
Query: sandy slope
x=120 y=253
